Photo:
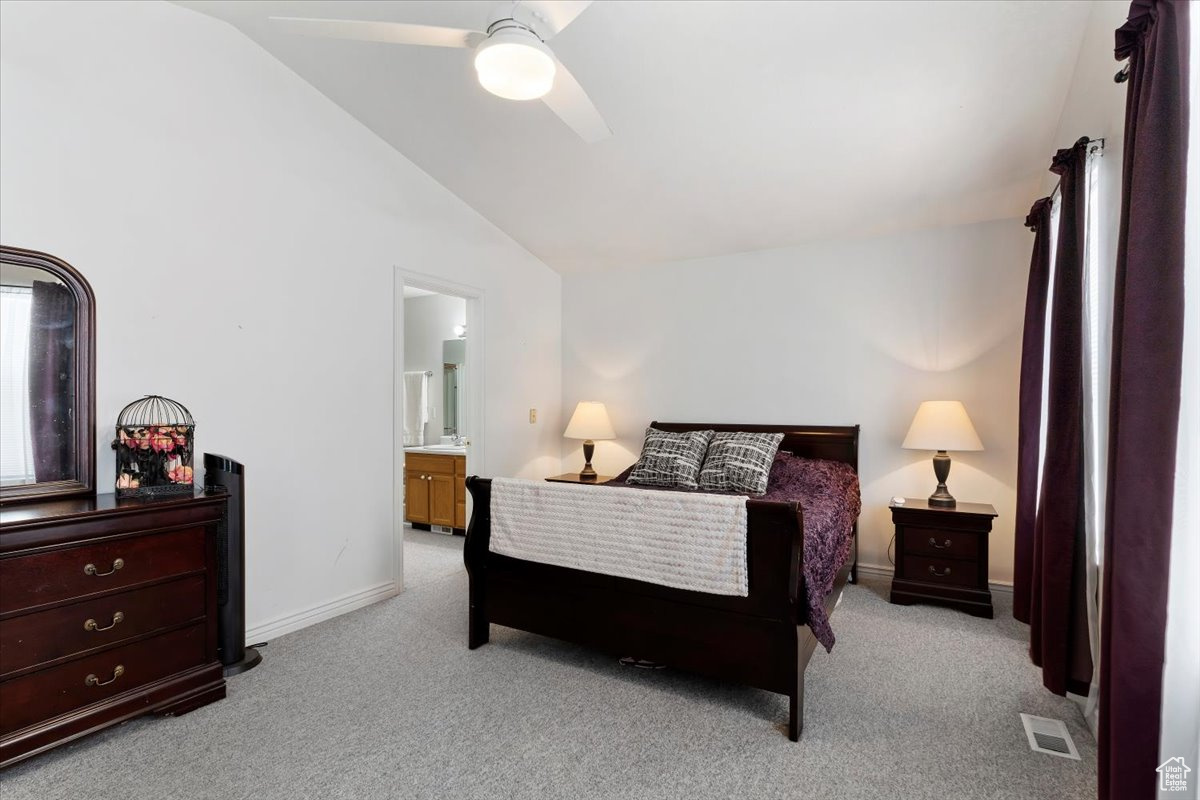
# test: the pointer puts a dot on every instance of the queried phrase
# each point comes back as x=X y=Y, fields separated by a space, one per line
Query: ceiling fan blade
x=389 y=32
x=556 y=14
x=572 y=105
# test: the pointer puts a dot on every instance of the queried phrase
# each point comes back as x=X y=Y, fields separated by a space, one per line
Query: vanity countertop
x=438 y=450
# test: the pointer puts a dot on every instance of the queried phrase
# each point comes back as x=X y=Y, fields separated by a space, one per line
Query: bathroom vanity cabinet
x=435 y=490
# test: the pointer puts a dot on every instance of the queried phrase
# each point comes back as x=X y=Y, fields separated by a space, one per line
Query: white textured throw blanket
x=678 y=539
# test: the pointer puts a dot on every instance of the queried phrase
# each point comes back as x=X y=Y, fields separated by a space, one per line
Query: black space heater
x=221 y=473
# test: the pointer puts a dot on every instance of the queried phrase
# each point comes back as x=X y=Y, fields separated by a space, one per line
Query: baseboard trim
x=295 y=620
x=885 y=571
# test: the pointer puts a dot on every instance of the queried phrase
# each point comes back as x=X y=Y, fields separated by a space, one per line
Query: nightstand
x=573 y=477
x=942 y=555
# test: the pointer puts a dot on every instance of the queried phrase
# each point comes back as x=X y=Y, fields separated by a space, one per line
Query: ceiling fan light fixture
x=515 y=64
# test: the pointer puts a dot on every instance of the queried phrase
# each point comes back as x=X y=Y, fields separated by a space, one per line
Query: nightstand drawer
x=947 y=572
x=940 y=543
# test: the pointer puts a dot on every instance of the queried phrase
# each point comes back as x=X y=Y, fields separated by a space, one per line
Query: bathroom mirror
x=47 y=383
x=450 y=399
x=454 y=356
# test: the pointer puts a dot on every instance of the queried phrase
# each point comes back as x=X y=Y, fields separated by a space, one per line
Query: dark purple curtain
x=1033 y=346
x=1058 y=634
x=1144 y=404
x=52 y=381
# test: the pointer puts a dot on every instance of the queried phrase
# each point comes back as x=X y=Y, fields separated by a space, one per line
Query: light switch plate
x=532 y=416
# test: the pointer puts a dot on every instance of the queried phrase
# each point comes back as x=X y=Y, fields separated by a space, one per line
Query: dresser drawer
x=939 y=544
x=943 y=571
x=51 y=692
x=35 y=580
x=37 y=638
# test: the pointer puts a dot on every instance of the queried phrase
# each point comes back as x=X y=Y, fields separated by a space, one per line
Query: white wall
x=831 y=333
x=241 y=232
x=429 y=321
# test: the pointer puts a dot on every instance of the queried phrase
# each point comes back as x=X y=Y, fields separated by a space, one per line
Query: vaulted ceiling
x=737 y=126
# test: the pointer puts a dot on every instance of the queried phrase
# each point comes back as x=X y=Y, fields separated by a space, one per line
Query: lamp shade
x=942 y=425
x=590 y=421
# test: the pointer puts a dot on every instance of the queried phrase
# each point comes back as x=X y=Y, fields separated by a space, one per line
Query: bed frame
x=760 y=640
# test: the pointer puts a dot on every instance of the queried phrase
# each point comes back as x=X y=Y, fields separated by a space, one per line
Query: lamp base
x=941 y=498
x=587 y=473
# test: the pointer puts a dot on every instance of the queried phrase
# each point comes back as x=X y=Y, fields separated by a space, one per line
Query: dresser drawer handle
x=92 y=680
x=91 y=625
x=90 y=569
x=939 y=574
x=933 y=543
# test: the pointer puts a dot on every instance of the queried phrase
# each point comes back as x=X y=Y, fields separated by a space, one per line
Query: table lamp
x=590 y=421
x=942 y=425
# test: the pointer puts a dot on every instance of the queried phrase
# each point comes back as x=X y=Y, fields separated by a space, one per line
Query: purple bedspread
x=829 y=494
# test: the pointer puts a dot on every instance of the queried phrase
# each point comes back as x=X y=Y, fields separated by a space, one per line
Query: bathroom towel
x=416 y=407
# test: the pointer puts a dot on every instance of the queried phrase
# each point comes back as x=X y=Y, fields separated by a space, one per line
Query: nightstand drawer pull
x=933 y=571
x=933 y=543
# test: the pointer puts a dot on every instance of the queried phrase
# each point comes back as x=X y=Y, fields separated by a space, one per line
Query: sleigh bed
x=762 y=639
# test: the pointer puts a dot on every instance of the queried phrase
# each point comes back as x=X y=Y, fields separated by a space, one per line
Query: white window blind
x=1044 y=412
x=1099 y=272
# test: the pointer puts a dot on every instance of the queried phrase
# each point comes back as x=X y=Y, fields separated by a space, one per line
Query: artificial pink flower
x=127 y=481
x=137 y=439
x=161 y=440
x=180 y=475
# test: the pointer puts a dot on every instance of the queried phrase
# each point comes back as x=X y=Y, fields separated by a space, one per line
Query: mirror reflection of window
x=37 y=377
x=454 y=356
x=16 y=433
x=450 y=399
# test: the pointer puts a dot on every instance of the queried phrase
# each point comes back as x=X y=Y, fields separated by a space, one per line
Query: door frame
x=473 y=397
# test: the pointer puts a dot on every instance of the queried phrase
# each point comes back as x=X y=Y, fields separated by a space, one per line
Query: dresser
x=107 y=612
x=435 y=489
x=942 y=555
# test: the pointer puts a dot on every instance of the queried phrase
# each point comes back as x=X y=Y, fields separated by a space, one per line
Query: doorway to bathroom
x=437 y=422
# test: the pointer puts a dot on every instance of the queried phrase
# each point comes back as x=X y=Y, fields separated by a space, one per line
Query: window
x=1098 y=276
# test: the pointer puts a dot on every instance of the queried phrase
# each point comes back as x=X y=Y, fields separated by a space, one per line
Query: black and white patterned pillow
x=671 y=459
x=739 y=462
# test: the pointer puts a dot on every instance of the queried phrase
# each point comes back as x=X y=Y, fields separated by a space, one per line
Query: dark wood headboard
x=831 y=442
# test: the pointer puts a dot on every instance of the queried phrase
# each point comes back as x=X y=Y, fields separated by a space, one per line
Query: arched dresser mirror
x=47 y=379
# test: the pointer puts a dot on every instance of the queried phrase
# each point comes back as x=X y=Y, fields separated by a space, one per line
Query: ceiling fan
x=511 y=57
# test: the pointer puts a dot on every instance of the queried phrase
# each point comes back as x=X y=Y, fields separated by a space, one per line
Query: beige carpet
x=387 y=702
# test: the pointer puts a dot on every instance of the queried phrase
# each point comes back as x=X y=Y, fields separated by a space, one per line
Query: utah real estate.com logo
x=1173 y=775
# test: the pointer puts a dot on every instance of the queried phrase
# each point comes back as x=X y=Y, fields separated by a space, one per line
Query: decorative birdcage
x=154 y=448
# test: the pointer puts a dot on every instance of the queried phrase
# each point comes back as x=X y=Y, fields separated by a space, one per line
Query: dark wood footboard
x=761 y=640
